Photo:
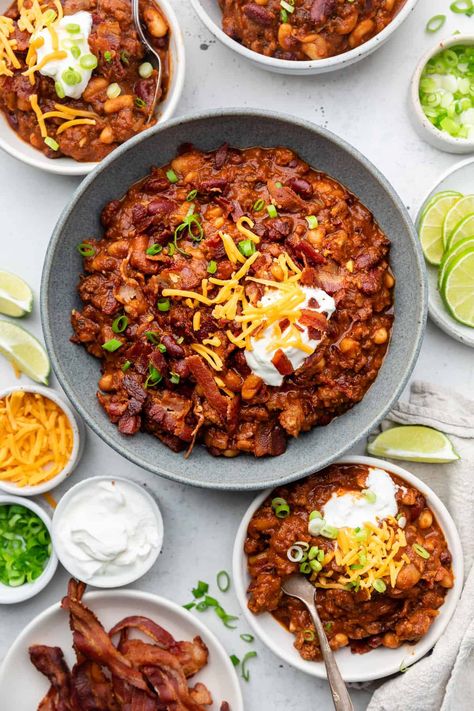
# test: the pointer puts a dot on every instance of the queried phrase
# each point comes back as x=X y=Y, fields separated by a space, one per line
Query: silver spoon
x=151 y=50
x=299 y=587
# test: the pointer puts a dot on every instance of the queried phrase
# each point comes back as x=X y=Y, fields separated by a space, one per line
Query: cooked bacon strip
x=162 y=638
x=313 y=319
x=201 y=695
x=50 y=662
x=205 y=379
x=282 y=363
x=91 y=640
x=50 y=701
x=91 y=689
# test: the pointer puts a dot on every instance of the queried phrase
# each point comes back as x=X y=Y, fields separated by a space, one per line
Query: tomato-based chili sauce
x=192 y=256
x=355 y=617
x=306 y=29
x=115 y=103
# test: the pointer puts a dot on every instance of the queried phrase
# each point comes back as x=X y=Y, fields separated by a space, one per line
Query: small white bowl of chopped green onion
x=442 y=95
x=27 y=559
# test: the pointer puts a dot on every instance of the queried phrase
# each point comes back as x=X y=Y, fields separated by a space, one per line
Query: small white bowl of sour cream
x=107 y=531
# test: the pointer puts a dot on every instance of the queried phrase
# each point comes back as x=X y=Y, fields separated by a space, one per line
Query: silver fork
x=299 y=587
x=151 y=50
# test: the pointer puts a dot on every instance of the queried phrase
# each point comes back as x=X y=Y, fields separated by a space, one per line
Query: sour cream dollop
x=69 y=73
x=353 y=509
x=259 y=359
x=107 y=531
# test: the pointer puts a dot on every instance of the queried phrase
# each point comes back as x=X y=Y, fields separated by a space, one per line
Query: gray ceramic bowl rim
x=103 y=166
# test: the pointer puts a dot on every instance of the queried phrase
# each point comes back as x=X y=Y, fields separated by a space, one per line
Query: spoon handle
x=340 y=695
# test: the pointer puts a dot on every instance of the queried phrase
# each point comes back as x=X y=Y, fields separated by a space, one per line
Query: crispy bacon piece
x=282 y=363
x=205 y=379
x=91 y=689
x=50 y=662
x=313 y=319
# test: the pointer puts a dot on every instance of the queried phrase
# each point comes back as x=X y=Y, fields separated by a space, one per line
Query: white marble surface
x=367 y=105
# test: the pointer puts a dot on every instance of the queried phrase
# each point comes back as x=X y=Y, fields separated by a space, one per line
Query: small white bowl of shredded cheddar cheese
x=41 y=440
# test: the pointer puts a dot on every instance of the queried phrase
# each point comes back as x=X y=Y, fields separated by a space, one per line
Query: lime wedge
x=413 y=443
x=24 y=351
x=16 y=298
x=450 y=256
x=458 y=287
x=432 y=200
x=463 y=229
x=431 y=227
x=460 y=209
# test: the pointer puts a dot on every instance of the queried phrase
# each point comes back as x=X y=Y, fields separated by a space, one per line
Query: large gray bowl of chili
x=160 y=241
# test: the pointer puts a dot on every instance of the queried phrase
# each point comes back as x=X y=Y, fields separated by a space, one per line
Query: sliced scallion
x=120 y=324
x=245 y=672
x=112 y=345
x=223 y=581
x=422 y=552
x=171 y=175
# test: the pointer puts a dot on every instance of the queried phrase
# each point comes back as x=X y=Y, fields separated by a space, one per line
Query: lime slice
x=432 y=200
x=431 y=227
x=460 y=209
x=413 y=443
x=458 y=287
x=450 y=257
x=16 y=298
x=24 y=351
x=463 y=229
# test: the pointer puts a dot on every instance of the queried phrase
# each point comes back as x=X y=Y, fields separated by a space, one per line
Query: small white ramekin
x=8 y=595
x=78 y=432
x=11 y=142
x=422 y=125
x=211 y=15
x=100 y=581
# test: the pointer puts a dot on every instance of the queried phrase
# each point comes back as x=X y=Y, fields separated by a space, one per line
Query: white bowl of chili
x=11 y=141
x=210 y=13
x=34 y=527
x=383 y=661
x=64 y=455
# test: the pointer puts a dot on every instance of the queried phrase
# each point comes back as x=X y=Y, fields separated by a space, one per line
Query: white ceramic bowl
x=211 y=15
x=128 y=576
x=78 y=431
x=15 y=146
x=8 y=595
x=423 y=126
x=379 y=662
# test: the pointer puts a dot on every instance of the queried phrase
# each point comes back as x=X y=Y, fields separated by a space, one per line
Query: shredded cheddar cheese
x=75 y=122
x=241 y=222
x=208 y=354
x=36 y=439
x=39 y=115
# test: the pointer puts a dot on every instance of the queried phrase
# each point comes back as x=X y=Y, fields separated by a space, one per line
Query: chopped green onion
x=249 y=638
x=369 y=496
x=139 y=103
x=283 y=16
x=328 y=626
x=315 y=514
x=305 y=568
x=161 y=347
x=248 y=656
x=289 y=8
x=171 y=175
x=277 y=501
x=422 y=552
x=312 y=221
x=59 y=89
x=153 y=337
x=154 y=249
x=76 y=53
x=25 y=545
x=88 y=61
x=361 y=534
x=124 y=57
x=202 y=606
x=120 y=324
x=191 y=223
x=220 y=612
x=154 y=377
x=235 y=660
x=315 y=526
x=108 y=56
x=308 y=635
x=272 y=211
x=191 y=195
x=258 y=205
x=112 y=345
x=145 y=70
x=113 y=90
x=71 y=77
x=379 y=585
x=356 y=566
x=163 y=304
x=171 y=249
x=223 y=581
x=212 y=267
x=315 y=566
x=73 y=28
x=295 y=554
x=313 y=552
x=329 y=531
x=174 y=378
x=247 y=247
x=282 y=511
x=126 y=366
x=435 y=23
x=201 y=589
x=189 y=605
x=51 y=143
x=460 y=7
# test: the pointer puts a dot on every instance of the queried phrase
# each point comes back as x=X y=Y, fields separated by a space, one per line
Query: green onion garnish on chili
x=223 y=581
x=191 y=227
x=174 y=378
x=154 y=249
x=379 y=585
x=51 y=143
x=247 y=247
x=126 y=366
x=171 y=249
x=280 y=507
x=120 y=324
x=85 y=250
x=272 y=211
x=163 y=304
x=212 y=267
x=258 y=205
x=191 y=195
x=312 y=221
x=108 y=56
x=161 y=347
x=154 y=377
x=139 y=103
x=112 y=345
x=25 y=545
x=245 y=672
x=153 y=337
x=422 y=552
x=171 y=175
x=308 y=635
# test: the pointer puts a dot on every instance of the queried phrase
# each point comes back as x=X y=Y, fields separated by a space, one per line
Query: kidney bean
x=259 y=14
x=145 y=89
x=301 y=187
x=221 y=156
x=321 y=9
x=214 y=185
x=173 y=348
x=160 y=206
x=156 y=185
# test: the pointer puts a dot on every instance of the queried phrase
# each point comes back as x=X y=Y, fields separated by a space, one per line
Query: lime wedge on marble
x=458 y=287
x=24 y=351
x=460 y=209
x=413 y=443
x=431 y=227
x=16 y=297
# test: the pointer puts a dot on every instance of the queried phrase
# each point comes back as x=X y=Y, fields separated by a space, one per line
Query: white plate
x=460 y=178
x=379 y=662
x=22 y=686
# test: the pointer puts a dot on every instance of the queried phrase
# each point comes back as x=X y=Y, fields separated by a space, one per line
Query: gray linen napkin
x=443 y=680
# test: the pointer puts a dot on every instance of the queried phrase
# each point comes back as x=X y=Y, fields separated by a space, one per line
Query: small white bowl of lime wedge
x=445 y=224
